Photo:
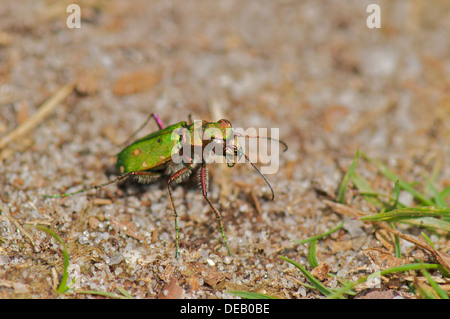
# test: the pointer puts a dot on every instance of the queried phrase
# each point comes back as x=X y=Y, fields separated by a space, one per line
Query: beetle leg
x=158 y=122
x=119 y=178
x=157 y=119
x=203 y=182
x=185 y=151
x=175 y=176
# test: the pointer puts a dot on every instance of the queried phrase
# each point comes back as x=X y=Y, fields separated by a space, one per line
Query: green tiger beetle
x=168 y=152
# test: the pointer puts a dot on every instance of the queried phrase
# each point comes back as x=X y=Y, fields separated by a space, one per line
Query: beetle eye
x=224 y=122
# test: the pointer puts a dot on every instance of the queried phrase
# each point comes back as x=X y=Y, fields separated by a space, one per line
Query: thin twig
x=257 y=205
x=4 y=210
x=44 y=110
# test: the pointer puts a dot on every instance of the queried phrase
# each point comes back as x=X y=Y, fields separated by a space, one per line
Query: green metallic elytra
x=150 y=152
x=168 y=151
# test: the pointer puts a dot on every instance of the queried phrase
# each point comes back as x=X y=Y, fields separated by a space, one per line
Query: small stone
x=115 y=259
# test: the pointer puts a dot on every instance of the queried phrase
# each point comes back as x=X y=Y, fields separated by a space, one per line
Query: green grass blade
x=346 y=179
x=439 y=291
x=403 y=268
x=403 y=185
x=316 y=283
x=397 y=249
x=304 y=241
x=428 y=240
x=395 y=195
x=125 y=293
x=63 y=287
x=366 y=190
x=445 y=192
x=438 y=198
x=250 y=295
x=429 y=222
x=443 y=195
x=425 y=293
x=407 y=213
x=312 y=259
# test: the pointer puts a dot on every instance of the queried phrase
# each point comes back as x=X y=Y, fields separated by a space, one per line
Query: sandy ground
x=312 y=69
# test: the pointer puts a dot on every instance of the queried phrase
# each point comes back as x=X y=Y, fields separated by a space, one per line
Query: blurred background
x=313 y=69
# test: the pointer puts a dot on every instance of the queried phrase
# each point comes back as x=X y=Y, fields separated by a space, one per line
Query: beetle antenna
x=265 y=137
x=259 y=172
